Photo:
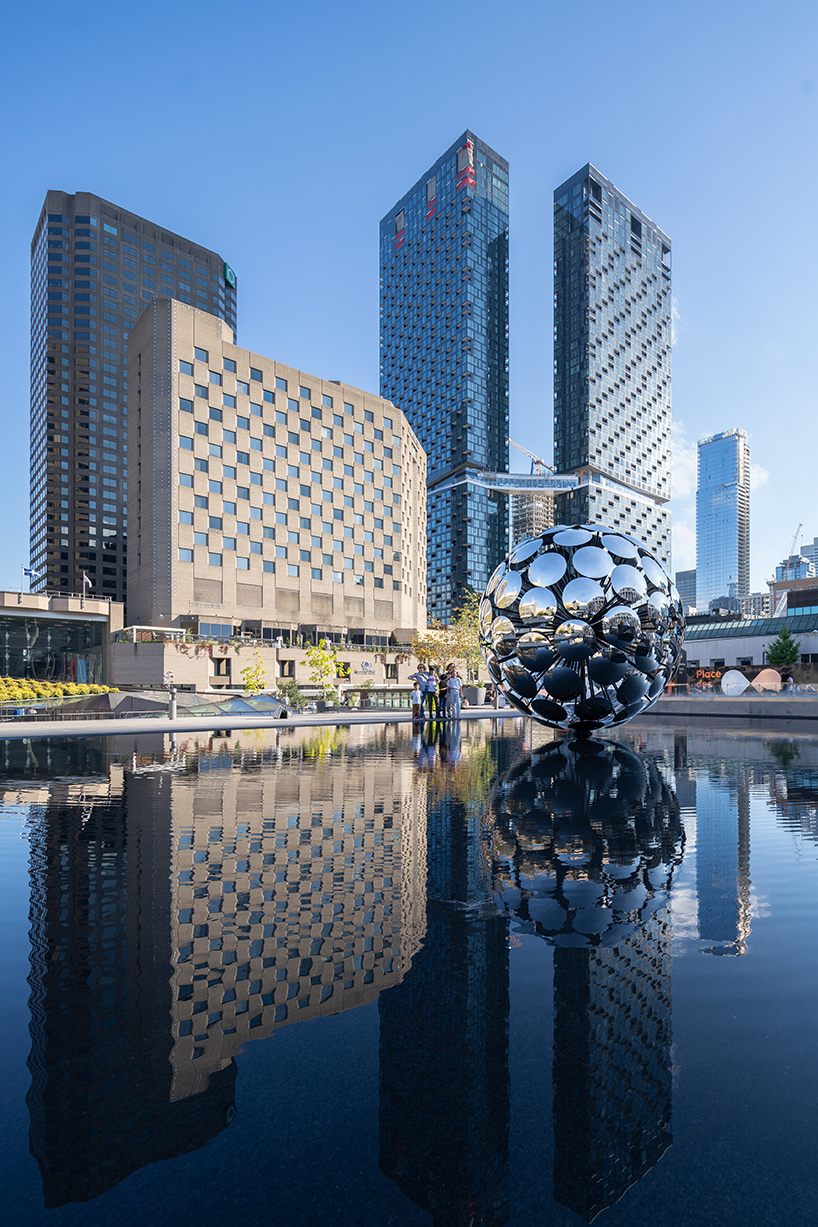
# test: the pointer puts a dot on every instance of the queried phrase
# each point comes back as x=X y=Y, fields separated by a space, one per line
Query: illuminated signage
x=229 y=276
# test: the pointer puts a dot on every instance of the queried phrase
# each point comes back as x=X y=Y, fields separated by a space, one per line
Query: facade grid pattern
x=444 y=353
x=94 y=268
x=612 y=338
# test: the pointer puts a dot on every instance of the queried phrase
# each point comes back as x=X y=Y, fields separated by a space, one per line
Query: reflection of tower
x=723 y=863
x=612 y=1066
x=296 y=893
x=100 y=996
x=444 y=1106
x=588 y=835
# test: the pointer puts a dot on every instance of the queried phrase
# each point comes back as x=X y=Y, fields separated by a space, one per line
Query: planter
x=475 y=696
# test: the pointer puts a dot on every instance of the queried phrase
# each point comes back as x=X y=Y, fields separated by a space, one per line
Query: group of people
x=441 y=694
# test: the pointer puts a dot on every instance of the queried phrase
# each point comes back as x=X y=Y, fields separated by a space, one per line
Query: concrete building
x=723 y=518
x=94 y=267
x=531 y=514
x=686 y=584
x=756 y=605
x=264 y=498
x=444 y=354
x=612 y=401
x=58 y=638
x=737 y=641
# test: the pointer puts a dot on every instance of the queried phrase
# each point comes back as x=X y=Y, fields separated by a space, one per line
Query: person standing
x=454 y=686
x=417 y=704
x=431 y=692
x=442 y=696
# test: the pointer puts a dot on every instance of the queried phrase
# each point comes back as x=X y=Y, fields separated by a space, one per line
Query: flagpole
x=22 y=580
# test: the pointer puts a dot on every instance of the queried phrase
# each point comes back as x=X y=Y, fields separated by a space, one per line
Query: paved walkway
x=717 y=708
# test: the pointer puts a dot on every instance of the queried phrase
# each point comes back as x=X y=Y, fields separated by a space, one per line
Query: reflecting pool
x=466 y=977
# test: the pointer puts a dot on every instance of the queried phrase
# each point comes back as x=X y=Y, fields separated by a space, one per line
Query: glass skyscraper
x=612 y=337
x=94 y=268
x=723 y=518
x=444 y=355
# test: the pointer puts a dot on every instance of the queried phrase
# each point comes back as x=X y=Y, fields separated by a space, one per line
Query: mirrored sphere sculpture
x=581 y=628
x=586 y=838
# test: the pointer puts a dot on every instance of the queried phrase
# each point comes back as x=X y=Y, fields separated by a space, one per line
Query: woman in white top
x=453 y=686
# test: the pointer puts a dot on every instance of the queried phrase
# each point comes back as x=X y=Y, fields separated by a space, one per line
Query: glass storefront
x=53 y=649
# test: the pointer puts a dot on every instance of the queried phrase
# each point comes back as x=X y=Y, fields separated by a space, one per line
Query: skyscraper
x=94 y=266
x=723 y=518
x=612 y=322
x=444 y=354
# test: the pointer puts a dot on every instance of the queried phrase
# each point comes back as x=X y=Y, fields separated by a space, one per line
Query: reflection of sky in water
x=460 y=1056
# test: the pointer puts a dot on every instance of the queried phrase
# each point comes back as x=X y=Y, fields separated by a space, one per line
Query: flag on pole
x=86 y=582
x=31 y=573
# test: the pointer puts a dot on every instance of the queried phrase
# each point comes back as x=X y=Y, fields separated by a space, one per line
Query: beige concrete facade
x=218 y=666
x=262 y=496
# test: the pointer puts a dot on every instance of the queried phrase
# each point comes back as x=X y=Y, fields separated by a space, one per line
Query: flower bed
x=28 y=689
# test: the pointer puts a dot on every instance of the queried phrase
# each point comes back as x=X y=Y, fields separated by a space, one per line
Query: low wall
x=717 y=707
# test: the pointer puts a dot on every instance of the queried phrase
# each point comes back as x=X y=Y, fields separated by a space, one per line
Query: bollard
x=172 y=704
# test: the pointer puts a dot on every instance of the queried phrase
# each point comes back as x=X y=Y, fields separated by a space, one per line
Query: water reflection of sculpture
x=587 y=838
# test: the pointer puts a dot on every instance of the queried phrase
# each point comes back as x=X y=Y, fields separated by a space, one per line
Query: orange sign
x=714 y=674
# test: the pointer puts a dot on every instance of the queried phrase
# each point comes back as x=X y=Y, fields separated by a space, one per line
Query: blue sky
x=279 y=135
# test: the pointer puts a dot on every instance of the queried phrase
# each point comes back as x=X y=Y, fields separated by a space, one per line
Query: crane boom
x=794 y=541
x=537 y=463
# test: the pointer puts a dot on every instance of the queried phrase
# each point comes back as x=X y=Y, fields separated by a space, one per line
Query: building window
x=292 y=569
x=201 y=354
x=185 y=368
x=186 y=555
x=243 y=564
x=215 y=560
x=286 y=668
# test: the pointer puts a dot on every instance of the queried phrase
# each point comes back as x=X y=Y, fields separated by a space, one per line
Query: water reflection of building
x=295 y=894
x=612 y=1065
x=586 y=843
x=723 y=860
x=444 y=1094
x=177 y=913
x=99 y=1102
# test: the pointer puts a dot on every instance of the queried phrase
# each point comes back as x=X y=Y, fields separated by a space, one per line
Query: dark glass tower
x=444 y=355
x=94 y=267
x=612 y=325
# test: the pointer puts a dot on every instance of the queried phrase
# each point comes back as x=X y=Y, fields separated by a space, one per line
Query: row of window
x=294 y=569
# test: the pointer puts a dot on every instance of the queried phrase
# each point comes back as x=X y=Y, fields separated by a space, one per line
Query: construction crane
x=793 y=543
x=538 y=465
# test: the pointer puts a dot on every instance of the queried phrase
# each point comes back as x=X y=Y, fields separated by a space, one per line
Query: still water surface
x=361 y=976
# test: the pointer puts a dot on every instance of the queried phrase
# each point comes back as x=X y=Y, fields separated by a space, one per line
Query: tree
x=291 y=692
x=439 y=645
x=784 y=650
x=466 y=625
x=323 y=667
x=254 y=675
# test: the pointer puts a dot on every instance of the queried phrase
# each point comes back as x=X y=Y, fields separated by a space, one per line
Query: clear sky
x=279 y=134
